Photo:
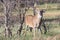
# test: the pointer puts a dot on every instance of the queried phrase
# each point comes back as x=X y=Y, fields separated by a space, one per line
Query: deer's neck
x=38 y=16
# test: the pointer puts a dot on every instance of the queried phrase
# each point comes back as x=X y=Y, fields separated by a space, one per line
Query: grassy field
x=52 y=22
x=53 y=26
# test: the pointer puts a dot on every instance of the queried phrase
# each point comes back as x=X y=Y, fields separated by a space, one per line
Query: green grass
x=53 y=30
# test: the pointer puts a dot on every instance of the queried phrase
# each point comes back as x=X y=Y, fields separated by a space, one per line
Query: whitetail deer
x=33 y=21
x=40 y=22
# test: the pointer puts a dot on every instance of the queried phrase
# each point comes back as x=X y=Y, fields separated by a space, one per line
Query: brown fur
x=32 y=21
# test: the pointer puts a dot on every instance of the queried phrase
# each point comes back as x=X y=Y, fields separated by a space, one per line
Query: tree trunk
x=7 y=11
x=7 y=28
x=21 y=11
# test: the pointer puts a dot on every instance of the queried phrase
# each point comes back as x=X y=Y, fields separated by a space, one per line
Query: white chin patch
x=39 y=16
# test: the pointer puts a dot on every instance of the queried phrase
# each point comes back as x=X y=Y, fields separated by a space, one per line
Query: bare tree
x=7 y=11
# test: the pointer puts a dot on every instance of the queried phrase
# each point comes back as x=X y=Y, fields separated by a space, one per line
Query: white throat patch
x=39 y=16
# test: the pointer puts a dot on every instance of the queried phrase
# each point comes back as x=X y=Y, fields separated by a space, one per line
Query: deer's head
x=38 y=12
